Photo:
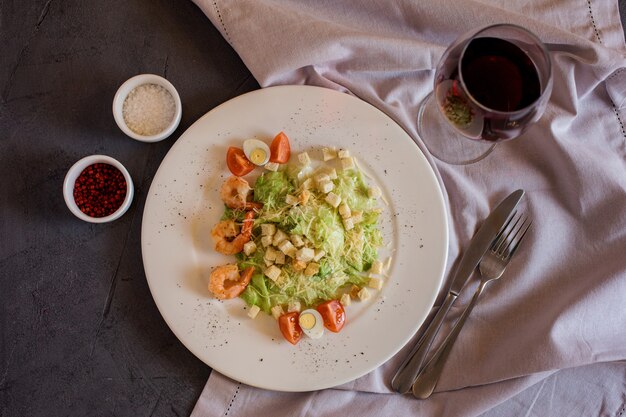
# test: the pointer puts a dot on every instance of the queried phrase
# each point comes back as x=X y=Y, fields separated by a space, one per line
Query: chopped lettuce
x=256 y=293
x=351 y=187
x=271 y=188
x=321 y=224
x=348 y=252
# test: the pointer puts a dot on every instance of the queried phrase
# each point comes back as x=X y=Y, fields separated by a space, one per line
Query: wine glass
x=490 y=85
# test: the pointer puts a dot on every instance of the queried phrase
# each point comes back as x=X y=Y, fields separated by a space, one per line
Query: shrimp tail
x=248 y=222
x=227 y=241
x=226 y=282
x=253 y=205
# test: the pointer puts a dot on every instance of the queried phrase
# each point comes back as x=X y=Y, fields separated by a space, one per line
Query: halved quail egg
x=256 y=151
x=312 y=324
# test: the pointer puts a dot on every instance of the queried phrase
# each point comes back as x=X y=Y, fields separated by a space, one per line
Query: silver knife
x=408 y=371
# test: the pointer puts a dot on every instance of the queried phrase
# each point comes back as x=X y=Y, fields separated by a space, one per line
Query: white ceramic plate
x=183 y=205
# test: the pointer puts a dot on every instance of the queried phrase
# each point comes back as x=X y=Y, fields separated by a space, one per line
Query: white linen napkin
x=561 y=304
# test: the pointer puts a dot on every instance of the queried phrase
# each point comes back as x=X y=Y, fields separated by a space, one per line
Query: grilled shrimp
x=228 y=240
x=226 y=281
x=235 y=192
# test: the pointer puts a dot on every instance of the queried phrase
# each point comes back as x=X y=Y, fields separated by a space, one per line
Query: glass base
x=445 y=143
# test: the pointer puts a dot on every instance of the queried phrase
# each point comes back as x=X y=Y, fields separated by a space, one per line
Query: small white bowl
x=127 y=87
x=75 y=171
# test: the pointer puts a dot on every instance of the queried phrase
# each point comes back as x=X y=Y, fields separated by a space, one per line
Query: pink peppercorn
x=100 y=190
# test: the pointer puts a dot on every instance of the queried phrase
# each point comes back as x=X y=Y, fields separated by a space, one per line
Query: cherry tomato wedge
x=280 y=150
x=333 y=314
x=237 y=162
x=290 y=328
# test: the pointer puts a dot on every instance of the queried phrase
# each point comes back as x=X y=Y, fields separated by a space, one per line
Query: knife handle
x=408 y=371
x=429 y=376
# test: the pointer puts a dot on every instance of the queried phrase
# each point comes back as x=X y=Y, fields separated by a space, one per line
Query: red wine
x=496 y=93
x=499 y=75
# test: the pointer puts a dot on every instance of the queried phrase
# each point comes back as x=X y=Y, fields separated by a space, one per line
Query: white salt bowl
x=127 y=87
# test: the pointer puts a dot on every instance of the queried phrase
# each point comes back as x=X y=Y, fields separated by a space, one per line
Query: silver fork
x=491 y=267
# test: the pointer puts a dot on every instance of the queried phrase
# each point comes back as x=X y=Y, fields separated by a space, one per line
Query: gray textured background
x=80 y=334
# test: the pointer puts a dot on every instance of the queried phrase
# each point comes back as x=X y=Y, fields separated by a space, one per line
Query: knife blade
x=408 y=371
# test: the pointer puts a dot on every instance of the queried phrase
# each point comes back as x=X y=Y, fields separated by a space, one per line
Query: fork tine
x=513 y=234
x=497 y=241
x=506 y=233
x=514 y=248
x=505 y=252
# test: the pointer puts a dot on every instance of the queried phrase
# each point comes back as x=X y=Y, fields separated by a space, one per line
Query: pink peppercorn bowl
x=123 y=92
x=74 y=172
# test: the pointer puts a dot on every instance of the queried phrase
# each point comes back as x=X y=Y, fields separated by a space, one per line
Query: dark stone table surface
x=80 y=333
